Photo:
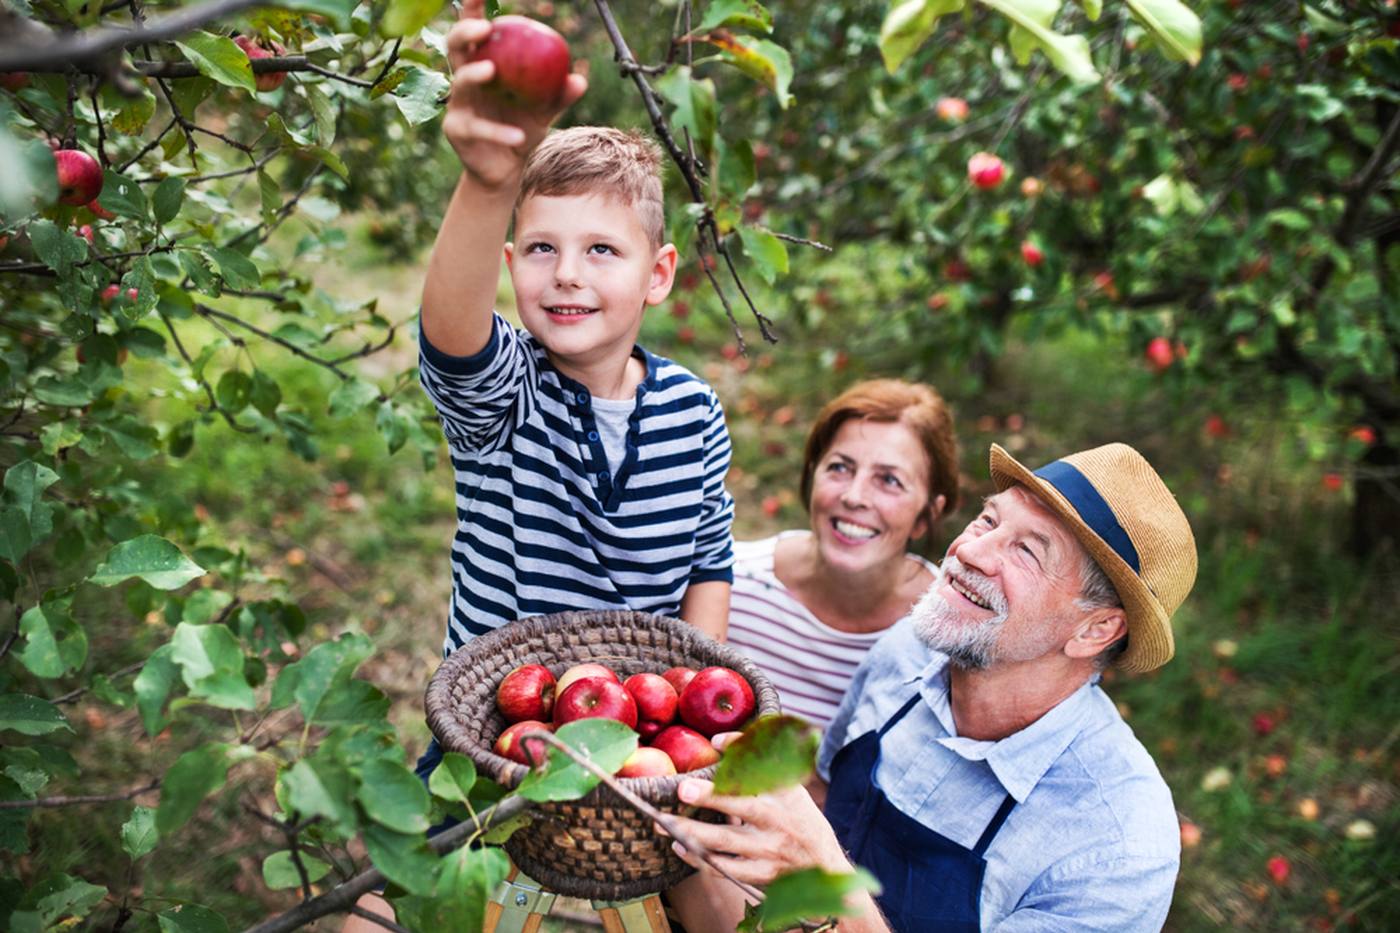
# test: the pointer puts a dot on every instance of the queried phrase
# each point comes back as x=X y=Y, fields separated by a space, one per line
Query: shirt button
x=582 y=398
x=592 y=435
x=603 y=477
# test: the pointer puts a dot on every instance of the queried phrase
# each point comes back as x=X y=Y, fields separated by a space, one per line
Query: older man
x=975 y=766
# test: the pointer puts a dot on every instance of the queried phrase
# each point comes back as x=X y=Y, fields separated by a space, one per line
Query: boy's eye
x=601 y=248
x=538 y=247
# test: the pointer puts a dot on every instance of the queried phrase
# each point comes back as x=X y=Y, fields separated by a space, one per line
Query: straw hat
x=1128 y=520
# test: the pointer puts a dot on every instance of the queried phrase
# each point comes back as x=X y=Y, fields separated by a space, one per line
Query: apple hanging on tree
x=952 y=109
x=1159 y=354
x=985 y=171
x=1032 y=254
x=79 y=177
x=532 y=62
x=267 y=80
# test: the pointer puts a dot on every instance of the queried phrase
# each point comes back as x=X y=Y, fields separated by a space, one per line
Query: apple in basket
x=595 y=697
x=508 y=745
x=526 y=693
x=687 y=749
x=647 y=762
x=716 y=700
x=656 y=701
x=678 y=677
x=580 y=671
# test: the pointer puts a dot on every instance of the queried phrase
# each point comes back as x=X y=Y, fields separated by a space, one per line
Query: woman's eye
x=836 y=467
x=889 y=479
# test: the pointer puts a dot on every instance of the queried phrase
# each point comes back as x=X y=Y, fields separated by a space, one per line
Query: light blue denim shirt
x=1093 y=841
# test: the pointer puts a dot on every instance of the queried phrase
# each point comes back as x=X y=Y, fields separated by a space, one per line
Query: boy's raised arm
x=492 y=140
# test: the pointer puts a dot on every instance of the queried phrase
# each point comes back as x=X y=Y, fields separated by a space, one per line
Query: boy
x=590 y=473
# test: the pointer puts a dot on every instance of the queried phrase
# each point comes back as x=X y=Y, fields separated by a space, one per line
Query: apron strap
x=990 y=832
x=889 y=723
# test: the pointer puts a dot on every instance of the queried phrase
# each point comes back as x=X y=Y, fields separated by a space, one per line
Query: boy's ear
x=510 y=253
x=663 y=274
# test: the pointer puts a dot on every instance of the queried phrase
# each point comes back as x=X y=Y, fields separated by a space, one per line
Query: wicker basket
x=598 y=846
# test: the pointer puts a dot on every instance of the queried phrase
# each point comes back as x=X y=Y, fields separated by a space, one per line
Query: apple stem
x=665 y=820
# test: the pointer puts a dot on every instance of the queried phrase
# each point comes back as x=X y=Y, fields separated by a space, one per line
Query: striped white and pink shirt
x=809 y=662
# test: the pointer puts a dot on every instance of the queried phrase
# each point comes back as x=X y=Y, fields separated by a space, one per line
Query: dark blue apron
x=930 y=883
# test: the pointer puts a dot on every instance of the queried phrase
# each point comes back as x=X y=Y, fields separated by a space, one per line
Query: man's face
x=1007 y=588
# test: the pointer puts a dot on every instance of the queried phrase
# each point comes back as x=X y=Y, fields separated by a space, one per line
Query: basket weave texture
x=597 y=847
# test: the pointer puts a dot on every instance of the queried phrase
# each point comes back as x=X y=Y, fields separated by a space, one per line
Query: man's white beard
x=970 y=645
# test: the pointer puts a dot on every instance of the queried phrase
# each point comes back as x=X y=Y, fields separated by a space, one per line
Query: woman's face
x=870 y=494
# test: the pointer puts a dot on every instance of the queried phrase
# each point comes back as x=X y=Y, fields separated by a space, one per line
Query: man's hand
x=491 y=138
x=767 y=835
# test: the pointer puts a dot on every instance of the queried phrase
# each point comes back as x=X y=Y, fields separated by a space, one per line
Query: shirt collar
x=1021 y=759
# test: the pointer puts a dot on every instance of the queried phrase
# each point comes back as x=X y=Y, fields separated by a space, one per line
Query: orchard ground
x=1275 y=725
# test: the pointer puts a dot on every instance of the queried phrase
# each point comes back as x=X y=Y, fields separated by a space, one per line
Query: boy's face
x=584 y=271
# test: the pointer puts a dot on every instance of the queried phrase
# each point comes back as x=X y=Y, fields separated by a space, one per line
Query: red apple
x=79 y=176
x=579 y=672
x=952 y=109
x=1032 y=254
x=526 y=693
x=771 y=506
x=510 y=746
x=110 y=293
x=688 y=749
x=716 y=700
x=595 y=698
x=4 y=241
x=985 y=171
x=1217 y=427
x=678 y=677
x=100 y=212
x=656 y=699
x=14 y=80
x=956 y=270
x=1363 y=433
x=1332 y=482
x=1031 y=186
x=649 y=729
x=1159 y=354
x=532 y=62
x=1279 y=869
x=647 y=762
x=85 y=231
x=267 y=80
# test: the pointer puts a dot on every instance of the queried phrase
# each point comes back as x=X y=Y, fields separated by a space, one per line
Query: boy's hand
x=491 y=138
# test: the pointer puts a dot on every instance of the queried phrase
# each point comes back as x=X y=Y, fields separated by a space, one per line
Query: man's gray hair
x=1096 y=591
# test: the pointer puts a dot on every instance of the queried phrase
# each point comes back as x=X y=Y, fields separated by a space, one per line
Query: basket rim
x=441 y=710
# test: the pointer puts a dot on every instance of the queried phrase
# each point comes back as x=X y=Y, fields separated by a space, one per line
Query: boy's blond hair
x=600 y=160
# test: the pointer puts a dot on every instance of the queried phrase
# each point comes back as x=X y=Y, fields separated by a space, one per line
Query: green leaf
x=54 y=643
x=167 y=199
x=453 y=778
x=808 y=894
x=280 y=872
x=195 y=775
x=152 y=687
x=393 y=796
x=139 y=835
x=309 y=680
x=30 y=715
x=62 y=901
x=418 y=93
x=606 y=742
x=337 y=10
x=211 y=664
x=131 y=113
x=191 y=918
x=774 y=752
x=694 y=100
x=233 y=391
x=1070 y=54
x=745 y=14
x=737 y=168
x=1318 y=103
x=270 y=196
x=769 y=255
x=1176 y=28
x=1092 y=9
x=25 y=483
x=351 y=396
x=322 y=111
x=406 y=17
x=392 y=426
x=466 y=880
x=761 y=59
x=265 y=394
x=123 y=196
x=320 y=788
x=150 y=557
x=218 y=57
x=404 y=858
x=29 y=179
x=56 y=248
x=908 y=25
x=238 y=270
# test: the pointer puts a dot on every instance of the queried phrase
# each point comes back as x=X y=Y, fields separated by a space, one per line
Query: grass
x=1283 y=624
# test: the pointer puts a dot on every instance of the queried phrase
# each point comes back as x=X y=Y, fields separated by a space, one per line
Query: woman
x=880 y=470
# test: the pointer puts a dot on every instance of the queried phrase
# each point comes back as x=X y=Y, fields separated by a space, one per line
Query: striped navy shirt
x=543 y=524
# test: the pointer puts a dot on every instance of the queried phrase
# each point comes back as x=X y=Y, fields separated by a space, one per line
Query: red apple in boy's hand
x=716 y=700
x=678 y=677
x=526 y=693
x=532 y=62
x=690 y=750
x=647 y=762
x=510 y=746
x=579 y=672
x=656 y=698
x=595 y=698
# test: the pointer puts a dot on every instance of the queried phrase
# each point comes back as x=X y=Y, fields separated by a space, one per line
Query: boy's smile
x=584 y=270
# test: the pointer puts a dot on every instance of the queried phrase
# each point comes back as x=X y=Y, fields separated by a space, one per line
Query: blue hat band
x=1092 y=508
